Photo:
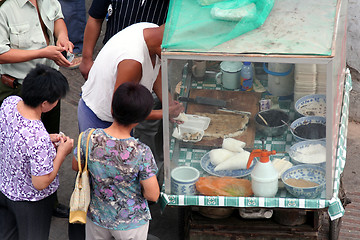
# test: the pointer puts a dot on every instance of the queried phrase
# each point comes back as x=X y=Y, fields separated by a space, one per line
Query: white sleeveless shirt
x=127 y=44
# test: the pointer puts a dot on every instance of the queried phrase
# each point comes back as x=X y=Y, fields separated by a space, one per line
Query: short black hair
x=131 y=103
x=43 y=83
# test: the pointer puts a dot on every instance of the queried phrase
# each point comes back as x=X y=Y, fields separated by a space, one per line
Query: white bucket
x=280 y=79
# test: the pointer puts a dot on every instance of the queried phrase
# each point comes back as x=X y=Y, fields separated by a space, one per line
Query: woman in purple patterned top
x=29 y=160
x=122 y=170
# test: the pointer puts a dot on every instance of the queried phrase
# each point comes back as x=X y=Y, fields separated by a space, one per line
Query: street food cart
x=297 y=32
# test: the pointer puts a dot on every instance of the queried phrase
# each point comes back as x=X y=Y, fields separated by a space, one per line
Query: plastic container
x=264 y=177
x=194 y=125
x=280 y=79
x=246 y=79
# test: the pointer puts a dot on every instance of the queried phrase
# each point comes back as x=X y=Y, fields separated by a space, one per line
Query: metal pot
x=216 y=212
x=274 y=126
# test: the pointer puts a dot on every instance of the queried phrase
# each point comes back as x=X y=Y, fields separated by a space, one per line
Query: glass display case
x=299 y=51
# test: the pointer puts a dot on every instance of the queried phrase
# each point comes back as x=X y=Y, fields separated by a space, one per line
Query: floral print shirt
x=116 y=168
x=25 y=150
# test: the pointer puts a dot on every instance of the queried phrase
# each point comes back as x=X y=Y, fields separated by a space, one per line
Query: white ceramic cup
x=230 y=74
x=183 y=180
x=199 y=68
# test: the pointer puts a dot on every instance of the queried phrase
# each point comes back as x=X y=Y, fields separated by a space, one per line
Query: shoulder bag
x=80 y=198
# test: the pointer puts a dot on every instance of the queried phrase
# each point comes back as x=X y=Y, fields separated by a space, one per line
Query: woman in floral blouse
x=122 y=170
x=29 y=158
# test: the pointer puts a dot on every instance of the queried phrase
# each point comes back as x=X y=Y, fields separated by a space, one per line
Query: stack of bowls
x=305 y=80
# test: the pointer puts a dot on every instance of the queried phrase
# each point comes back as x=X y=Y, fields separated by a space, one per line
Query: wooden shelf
x=198 y=227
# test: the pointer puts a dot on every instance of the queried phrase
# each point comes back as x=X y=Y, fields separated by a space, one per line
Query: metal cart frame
x=337 y=110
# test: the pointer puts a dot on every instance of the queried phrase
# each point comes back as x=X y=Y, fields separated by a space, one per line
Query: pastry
x=223 y=125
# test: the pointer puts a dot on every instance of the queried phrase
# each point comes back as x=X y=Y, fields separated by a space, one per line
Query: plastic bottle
x=264 y=177
x=246 y=79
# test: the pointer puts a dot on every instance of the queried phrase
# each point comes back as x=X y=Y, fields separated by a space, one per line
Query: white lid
x=228 y=66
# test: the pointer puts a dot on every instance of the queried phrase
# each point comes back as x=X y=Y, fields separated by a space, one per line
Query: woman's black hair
x=131 y=103
x=43 y=83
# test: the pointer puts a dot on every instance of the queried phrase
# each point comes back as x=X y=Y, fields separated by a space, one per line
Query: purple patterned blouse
x=25 y=150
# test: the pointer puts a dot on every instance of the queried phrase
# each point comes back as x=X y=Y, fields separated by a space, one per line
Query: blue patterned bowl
x=311 y=105
x=183 y=180
x=309 y=128
x=313 y=159
x=307 y=172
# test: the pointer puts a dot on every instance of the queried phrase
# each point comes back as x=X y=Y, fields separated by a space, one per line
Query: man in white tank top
x=132 y=55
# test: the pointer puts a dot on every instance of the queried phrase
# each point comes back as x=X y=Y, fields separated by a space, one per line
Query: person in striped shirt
x=119 y=14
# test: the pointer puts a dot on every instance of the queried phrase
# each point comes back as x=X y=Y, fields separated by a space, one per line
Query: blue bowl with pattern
x=305 y=180
x=183 y=180
x=308 y=152
x=309 y=128
x=311 y=105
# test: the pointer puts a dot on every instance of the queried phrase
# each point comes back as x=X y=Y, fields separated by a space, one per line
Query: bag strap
x=86 y=150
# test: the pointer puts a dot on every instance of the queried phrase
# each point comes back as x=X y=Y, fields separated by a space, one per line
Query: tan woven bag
x=80 y=198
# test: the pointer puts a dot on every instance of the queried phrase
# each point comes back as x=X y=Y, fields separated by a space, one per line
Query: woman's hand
x=54 y=137
x=54 y=53
x=61 y=35
x=65 y=146
x=64 y=42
